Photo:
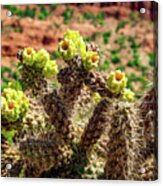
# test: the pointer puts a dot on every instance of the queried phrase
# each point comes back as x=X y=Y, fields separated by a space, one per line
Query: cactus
x=35 y=68
x=88 y=126
x=10 y=156
x=148 y=111
x=97 y=124
x=125 y=144
x=148 y=169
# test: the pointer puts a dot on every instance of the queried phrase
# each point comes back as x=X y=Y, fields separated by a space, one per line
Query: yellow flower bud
x=67 y=49
x=28 y=56
x=128 y=95
x=90 y=60
x=116 y=81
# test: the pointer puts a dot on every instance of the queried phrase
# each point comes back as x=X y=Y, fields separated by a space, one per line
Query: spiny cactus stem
x=148 y=111
x=97 y=83
x=125 y=144
x=57 y=112
x=34 y=81
x=96 y=125
x=72 y=85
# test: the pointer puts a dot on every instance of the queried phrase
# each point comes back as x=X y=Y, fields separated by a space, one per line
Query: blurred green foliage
x=121 y=41
x=133 y=78
x=105 y=66
x=97 y=19
x=55 y=55
x=115 y=58
x=43 y=13
x=136 y=56
x=9 y=75
x=151 y=59
x=67 y=15
x=31 y=12
x=106 y=36
x=121 y=24
x=121 y=67
x=28 y=12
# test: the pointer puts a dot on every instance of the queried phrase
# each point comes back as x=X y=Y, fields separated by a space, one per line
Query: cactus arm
x=96 y=125
x=125 y=144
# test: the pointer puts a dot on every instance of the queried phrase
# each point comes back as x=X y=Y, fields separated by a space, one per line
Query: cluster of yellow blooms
x=73 y=44
x=14 y=104
x=116 y=82
x=40 y=60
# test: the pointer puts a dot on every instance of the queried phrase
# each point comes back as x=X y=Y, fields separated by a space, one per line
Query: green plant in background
x=136 y=56
x=121 y=41
x=121 y=24
x=96 y=19
x=133 y=78
x=17 y=11
x=43 y=13
x=31 y=12
x=100 y=18
x=105 y=66
x=88 y=15
x=106 y=37
x=133 y=45
x=151 y=59
x=56 y=54
x=53 y=6
x=67 y=15
x=115 y=58
x=121 y=67
x=144 y=70
x=8 y=75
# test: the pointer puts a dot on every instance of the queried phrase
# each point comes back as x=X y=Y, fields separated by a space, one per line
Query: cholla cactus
x=97 y=124
x=148 y=169
x=148 y=111
x=58 y=113
x=125 y=144
x=89 y=126
x=10 y=156
x=35 y=68
x=45 y=151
